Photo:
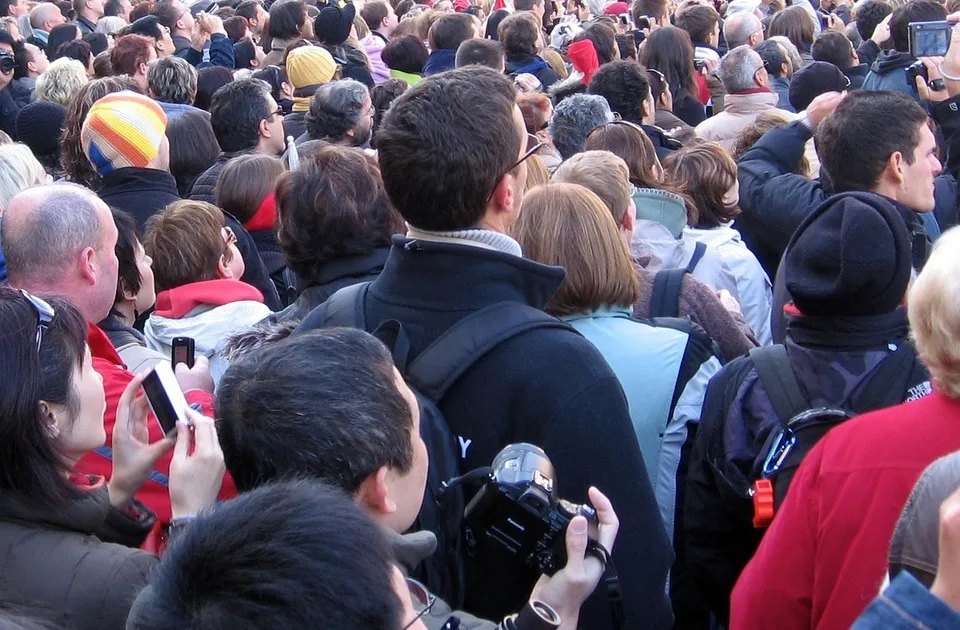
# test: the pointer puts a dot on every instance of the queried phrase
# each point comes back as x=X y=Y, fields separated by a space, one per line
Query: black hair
x=76 y=49
x=193 y=147
x=624 y=85
x=484 y=52
x=627 y=46
x=7 y=38
x=248 y=9
x=405 y=54
x=287 y=20
x=166 y=14
x=382 y=96
x=833 y=47
x=869 y=16
x=148 y=26
x=209 y=82
x=112 y=7
x=871 y=124
x=443 y=126
x=295 y=555
x=128 y=235
x=603 y=38
x=60 y=35
x=493 y=24
x=322 y=405
x=451 y=30
x=914 y=11
x=670 y=50
x=32 y=472
x=275 y=77
x=244 y=52
x=98 y=42
x=20 y=55
x=527 y=5
x=773 y=56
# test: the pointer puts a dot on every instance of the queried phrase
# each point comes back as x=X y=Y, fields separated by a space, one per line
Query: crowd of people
x=496 y=314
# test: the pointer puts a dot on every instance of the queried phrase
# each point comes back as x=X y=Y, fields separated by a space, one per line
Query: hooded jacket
x=373 y=45
x=142 y=192
x=887 y=73
x=219 y=52
x=532 y=64
x=739 y=110
x=209 y=312
x=857 y=75
x=65 y=562
x=781 y=86
x=663 y=144
x=352 y=62
x=438 y=61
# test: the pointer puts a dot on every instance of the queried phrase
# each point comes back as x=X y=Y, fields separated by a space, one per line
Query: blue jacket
x=218 y=53
x=887 y=73
x=781 y=85
x=907 y=605
x=3 y=268
x=440 y=61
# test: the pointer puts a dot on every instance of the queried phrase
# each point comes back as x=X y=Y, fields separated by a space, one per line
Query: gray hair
x=335 y=109
x=792 y=53
x=110 y=24
x=741 y=6
x=62 y=79
x=19 y=170
x=44 y=228
x=172 y=80
x=738 y=28
x=41 y=13
x=573 y=120
x=738 y=69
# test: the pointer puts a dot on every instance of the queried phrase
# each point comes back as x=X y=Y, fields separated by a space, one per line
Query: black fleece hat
x=39 y=126
x=332 y=26
x=814 y=79
x=851 y=257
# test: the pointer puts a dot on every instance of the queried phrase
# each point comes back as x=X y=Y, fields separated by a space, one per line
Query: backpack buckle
x=762 y=503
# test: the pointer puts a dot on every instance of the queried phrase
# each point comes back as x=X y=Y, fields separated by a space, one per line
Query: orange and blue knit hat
x=122 y=129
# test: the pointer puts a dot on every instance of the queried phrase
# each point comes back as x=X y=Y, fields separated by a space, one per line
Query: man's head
x=742 y=29
x=380 y=17
x=814 y=79
x=833 y=47
x=172 y=80
x=774 y=58
x=534 y=6
x=914 y=11
x=32 y=62
x=656 y=11
x=742 y=69
x=91 y=9
x=46 y=16
x=337 y=411
x=484 y=52
x=118 y=8
x=131 y=55
x=625 y=86
x=869 y=14
x=189 y=243
x=896 y=153
x=609 y=178
x=573 y=120
x=702 y=23
x=297 y=554
x=60 y=239
x=287 y=20
x=150 y=26
x=341 y=112
x=124 y=130
x=175 y=16
x=255 y=15
x=439 y=167
x=453 y=29
x=246 y=117
x=521 y=35
x=14 y=8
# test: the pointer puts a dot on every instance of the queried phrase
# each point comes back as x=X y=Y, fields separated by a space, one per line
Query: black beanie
x=851 y=257
x=332 y=26
x=39 y=126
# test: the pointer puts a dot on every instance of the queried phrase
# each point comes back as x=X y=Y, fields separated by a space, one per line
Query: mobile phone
x=929 y=39
x=625 y=19
x=165 y=397
x=643 y=23
x=183 y=351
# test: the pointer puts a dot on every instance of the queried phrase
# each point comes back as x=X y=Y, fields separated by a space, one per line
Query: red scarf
x=265 y=217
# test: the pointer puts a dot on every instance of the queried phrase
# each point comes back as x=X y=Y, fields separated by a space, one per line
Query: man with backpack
x=847 y=352
x=452 y=152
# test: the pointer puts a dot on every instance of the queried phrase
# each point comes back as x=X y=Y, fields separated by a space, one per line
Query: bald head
x=45 y=14
x=60 y=239
x=742 y=29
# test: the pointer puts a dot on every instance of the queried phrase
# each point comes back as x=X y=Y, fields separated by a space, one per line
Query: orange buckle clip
x=762 y=503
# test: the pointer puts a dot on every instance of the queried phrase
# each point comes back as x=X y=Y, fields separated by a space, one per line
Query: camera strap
x=611 y=583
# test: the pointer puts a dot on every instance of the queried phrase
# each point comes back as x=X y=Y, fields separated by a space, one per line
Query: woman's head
x=569 y=226
x=669 y=50
x=63 y=78
x=333 y=207
x=19 y=170
x=193 y=147
x=209 y=80
x=628 y=142
x=245 y=183
x=604 y=39
x=795 y=24
x=61 y=35
x=708 y=176
x=405 y=54
x=52 y=402
x=287 y=19
x=135 y=276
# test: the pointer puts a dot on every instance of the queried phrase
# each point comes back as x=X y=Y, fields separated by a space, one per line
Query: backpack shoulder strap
x=665 y=301
x=884 y=388
x=346 y=307
x=779 y=381
x=698 y=251
x=445 y=360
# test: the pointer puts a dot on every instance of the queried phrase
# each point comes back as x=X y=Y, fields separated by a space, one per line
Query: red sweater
x=825 y=555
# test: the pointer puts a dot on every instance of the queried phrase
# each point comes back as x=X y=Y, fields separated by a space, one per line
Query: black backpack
x=803 y=426
x=431 y=375
x=667 y=283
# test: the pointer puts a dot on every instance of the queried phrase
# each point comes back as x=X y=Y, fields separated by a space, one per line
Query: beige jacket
x=739 y=110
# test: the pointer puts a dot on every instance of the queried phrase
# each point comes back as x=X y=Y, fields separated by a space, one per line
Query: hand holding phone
x=165 y=398
x=197 y=468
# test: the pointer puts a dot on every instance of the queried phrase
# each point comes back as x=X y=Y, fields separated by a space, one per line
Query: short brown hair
x=657 y=9
x=245 y=182
x=518 y=34
x=186 y=243
x=567 y=225
x=763 y=123
x=632 y=145
x=795 y=24
x=129 y=52
x=704 y=173
x=450 y=30
x=602 y=172
x=699 y=21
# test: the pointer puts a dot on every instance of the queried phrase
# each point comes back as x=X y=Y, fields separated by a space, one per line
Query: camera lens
x=6 y=63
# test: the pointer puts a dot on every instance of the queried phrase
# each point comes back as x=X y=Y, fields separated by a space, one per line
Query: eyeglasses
x=45 y=314
x=273 y=115
x=420 y=596
x=533 y=145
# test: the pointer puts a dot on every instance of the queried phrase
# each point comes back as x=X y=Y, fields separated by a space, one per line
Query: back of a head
x=129 y=52
x=246 y=184
x=335 y=109
x=186 y=243
x=656 y=9
x=573 y=120
x=287 y=19
x=373 y=14
x=795 y=24
x=604 y=40
x=519 y=34
x=568 y=225
x=752 y=133
x=322 y=405
x=167 y=13
x=699 y=21
x=124 y=130
x=451 y=30
x=738 y=69
x=172 y=80
x=75 y=49
x=236 y=110
x=321 y=560
x=527 y=5
x=209 y=81
x=624 y=85
x=19 y=170
x=738 y=28
x=603 y=173
x=193 y=147
x=704 y=174
x=670 y=51
x=444 y=126
x=913 y=11
x=869 y=14
x=148 y=26
x=493 y=24
x=772 y=55
x=61 y=81
x=632 y=145
x=833 y=47
x=484 y=52
x=60 y=35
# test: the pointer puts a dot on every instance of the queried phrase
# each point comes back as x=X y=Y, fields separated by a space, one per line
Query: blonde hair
x=602 y=172
x=19 y=170
x=537 y=173
x=62 y=79
x=567 y=225
x=933 y=308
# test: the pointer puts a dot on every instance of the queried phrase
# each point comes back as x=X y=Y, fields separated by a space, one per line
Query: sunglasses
x=45 y=314
x=422 y=598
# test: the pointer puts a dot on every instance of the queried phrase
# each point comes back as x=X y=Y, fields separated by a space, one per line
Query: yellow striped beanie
x=122 y=129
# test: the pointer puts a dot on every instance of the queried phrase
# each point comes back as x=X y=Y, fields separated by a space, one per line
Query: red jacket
x=825 y=555
x=108 y=363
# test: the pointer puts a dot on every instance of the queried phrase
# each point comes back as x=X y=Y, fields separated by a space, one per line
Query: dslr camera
x=7 y=61
x=516 y=510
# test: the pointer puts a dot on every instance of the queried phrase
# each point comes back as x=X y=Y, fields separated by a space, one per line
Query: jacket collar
x=411 y=550
x=180 y=43
x=86 y=514
x=350 y=266
x=140 y=179
x=857 y=333
x=176 y=303
x=90 y=25
x=378 y=34
x=462 y=277
x=100 y=345
x=750 y=101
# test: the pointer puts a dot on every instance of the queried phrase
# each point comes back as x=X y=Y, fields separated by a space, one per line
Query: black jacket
x=689 y=109
x=64 y=565
x=221 y=51
x=332 y=277
x=856 y=74
x=549 y=387
x=663 y=144
x=10 y=108
x=294 y=124
x=868 y=52
x=833 y=359
x=143 y=192
x=352 y=62
x=531 y=64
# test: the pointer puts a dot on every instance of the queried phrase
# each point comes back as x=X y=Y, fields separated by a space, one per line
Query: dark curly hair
x=383 y=96
x=624 y=85
x=333 y=207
